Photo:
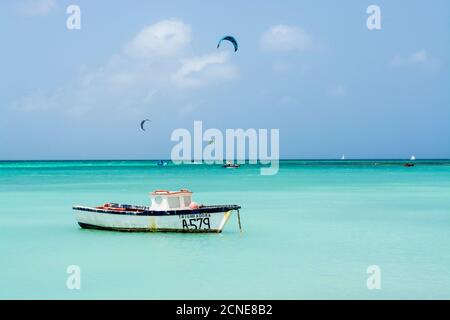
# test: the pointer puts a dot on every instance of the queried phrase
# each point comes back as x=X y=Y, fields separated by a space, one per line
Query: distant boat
x=343 y=157
x=162 y=163
x=231 y=165
x=412 y=158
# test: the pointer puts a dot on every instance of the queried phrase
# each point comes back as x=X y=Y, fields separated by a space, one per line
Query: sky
x=311 y=69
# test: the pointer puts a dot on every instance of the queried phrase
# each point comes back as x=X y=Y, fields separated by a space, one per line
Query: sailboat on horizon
x=343 y=157
x=413 y=157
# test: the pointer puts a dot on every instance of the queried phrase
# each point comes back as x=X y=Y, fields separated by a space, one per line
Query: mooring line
x=239 y=220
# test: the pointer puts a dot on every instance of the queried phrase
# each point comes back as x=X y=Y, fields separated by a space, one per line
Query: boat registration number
x=196 y=223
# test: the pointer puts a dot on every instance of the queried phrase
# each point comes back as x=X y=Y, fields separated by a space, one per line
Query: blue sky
x=309 y=68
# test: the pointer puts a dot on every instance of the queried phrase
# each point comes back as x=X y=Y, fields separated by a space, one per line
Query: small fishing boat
x=170 y=211
x=408 y=164
x=231 y=165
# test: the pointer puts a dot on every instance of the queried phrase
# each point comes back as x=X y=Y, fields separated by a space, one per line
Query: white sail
x=343 y=157
x=412 y=158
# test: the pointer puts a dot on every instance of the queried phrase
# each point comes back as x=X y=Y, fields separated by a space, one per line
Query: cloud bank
x=156 y=65
x=283 y=38
x=418 y=58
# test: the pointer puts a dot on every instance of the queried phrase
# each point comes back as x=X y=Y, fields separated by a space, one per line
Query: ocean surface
x=311 y=231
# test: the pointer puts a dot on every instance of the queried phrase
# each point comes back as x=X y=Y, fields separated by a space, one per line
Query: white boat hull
x=196 y=222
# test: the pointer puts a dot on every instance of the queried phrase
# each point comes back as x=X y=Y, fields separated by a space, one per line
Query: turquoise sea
x=310 y=231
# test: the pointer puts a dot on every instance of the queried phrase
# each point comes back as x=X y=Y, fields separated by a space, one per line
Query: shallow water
x=309 y=232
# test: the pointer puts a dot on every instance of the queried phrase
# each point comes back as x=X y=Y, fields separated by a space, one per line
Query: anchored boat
x=231 y=165
x=170 y=211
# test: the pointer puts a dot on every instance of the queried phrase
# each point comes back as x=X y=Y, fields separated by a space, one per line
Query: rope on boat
x=239 y=220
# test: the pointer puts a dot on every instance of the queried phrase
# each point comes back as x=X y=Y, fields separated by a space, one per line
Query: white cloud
x=282 y=38
x=167 y=37
x=198 y=71
x=418 y=58
x=36 y=7
x=154 y=68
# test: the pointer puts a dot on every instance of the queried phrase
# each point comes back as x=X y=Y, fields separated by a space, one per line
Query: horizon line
x=284 y=159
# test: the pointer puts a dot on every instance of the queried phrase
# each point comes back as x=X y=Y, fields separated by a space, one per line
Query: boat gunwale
x=147 y=212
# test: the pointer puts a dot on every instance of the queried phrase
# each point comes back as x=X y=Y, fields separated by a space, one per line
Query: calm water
x=309 y=232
